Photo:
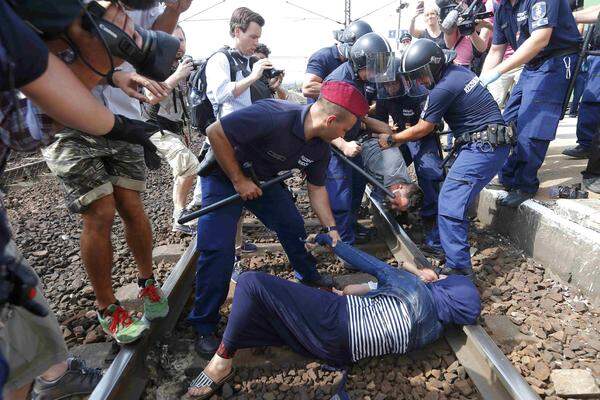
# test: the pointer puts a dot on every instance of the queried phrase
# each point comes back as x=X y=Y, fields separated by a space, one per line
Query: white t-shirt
x=114 y=98
x=219 y=88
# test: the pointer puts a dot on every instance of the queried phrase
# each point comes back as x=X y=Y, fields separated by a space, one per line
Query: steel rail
x=493 y=374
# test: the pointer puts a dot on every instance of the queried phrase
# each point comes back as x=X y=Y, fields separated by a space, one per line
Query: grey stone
x=128 y=297
x=170 y=253
x=505 y=332
x=94 y=354
x=574 y=383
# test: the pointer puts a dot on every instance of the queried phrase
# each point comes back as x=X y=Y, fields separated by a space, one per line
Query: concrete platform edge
x=569 y=250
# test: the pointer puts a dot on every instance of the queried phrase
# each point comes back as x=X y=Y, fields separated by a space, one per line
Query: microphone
x=450 y=21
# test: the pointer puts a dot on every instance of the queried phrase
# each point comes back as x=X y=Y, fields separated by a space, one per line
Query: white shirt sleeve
x=219 y=87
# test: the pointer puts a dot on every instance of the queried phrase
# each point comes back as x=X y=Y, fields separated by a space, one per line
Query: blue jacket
x=399 y=283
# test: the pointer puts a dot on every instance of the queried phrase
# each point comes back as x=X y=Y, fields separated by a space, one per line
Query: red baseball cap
x=345 y=95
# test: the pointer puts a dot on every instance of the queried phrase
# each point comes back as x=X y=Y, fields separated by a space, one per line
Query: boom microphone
x=450 y=21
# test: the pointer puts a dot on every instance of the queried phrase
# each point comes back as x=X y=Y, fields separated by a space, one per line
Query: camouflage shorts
x=89 y=166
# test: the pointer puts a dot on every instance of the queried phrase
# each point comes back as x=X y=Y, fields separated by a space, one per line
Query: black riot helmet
x=349 y=35
x=422 y=65
x=373 y=52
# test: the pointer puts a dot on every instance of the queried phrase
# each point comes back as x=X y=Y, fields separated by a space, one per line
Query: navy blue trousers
x=589 y=108
x=216 y=243
x=346 y=188
x=270 y=311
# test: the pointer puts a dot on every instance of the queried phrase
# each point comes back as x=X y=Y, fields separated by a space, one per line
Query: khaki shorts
x=182 y=160
x=89 y=166
x=30 y=344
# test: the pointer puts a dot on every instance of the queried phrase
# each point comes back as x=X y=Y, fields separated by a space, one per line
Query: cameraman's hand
x=184 y=69
x=136 y=132
x=275 y=83
x=178 y=6
x=130 y=82
x=247 y=189
x=351 y=149
x=483 y=23
x=259 y=67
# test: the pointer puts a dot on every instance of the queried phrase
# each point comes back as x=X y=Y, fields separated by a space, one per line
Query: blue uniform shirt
x=324 y=61
x=345 y=73
x=513 y=25
x=459 y=98
x=270 y=134
x=403 y=110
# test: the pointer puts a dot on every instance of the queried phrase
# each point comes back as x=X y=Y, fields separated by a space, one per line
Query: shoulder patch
x=538 y=11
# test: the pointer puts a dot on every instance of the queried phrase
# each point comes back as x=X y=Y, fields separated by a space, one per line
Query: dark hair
x=242 y=17
x=262 y=49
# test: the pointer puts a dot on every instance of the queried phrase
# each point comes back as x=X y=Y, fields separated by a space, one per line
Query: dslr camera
x=269 y=74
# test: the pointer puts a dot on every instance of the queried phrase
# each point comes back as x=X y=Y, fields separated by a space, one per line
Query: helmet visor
x=381 y=67
x=393 y=89
x=345 y=49
x=419 y=82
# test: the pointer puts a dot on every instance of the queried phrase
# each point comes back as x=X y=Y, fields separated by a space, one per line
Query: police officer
x=274 y=136
x=344 y=185
x=545 y=38
x=481 y=140
x=325 y=60
x=392 y=100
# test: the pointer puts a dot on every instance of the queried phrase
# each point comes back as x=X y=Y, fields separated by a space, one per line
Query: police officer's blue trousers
x=346 y=188
x=270 y=311
x=589 y=108
x=535 y=105
x=474 y=168
x=216 y=243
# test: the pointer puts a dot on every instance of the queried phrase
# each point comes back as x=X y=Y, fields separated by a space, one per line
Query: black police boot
x=207 y=345
x=592 y=184
x=578 y=152
x=468 y=271
x=515 y=198
x=324 y=281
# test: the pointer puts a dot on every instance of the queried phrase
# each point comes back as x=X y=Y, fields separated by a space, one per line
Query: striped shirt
x=377 y=326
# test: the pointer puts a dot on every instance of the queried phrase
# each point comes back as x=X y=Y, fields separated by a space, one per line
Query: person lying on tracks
x=338 y=327
x=273 y=136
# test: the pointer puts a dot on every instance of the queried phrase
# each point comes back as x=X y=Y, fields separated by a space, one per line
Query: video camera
x=18 y=287
x=460 y=13
x=52 y=19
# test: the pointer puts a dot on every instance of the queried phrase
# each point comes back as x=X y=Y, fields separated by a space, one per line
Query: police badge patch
x=538 y=15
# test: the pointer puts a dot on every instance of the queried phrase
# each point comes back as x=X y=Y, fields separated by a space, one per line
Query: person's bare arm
x=79 y=109
x=527 y=51
x=377 y=126
x=257 y=71
x=494 y=57
x=319 y=201
x=412 y=29
x=588 y=15
x=415 y=132
x=311 y=87
x=451 y=38
x=167 y=21
x=225 y=155
x=480 y=40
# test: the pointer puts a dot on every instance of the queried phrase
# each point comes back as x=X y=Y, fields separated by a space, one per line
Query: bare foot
x=217 y=369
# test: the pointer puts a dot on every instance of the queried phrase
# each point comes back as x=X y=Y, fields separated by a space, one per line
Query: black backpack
x=201 y=109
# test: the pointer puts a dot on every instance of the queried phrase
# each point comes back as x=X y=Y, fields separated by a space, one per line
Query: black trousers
x=593 y=166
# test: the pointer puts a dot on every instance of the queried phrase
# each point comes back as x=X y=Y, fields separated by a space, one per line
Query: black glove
x=136 y=132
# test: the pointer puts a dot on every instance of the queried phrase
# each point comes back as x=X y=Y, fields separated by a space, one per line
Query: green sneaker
x=121 y=325
x=156 y=305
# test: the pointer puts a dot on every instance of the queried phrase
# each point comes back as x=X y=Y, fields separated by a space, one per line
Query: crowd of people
x=492 y=75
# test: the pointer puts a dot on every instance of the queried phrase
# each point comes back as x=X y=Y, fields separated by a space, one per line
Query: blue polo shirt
x=270 y=134
x=514 y=24
x=403 y=110
x=345 y=73
x=462 y=101
x=324 y=61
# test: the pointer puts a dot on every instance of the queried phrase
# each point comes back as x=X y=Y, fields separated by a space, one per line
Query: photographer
x=546 y=40
x=101 y=178
x=274 y=83
x=168 y=113
x=432 y=31
x=32 y=345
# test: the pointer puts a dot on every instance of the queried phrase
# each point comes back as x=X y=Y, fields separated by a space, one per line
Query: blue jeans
x=216 y=243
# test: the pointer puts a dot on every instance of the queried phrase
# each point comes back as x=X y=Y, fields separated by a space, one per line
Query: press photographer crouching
x=31 y=345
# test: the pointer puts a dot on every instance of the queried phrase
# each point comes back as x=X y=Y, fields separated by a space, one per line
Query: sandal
x=204 y=380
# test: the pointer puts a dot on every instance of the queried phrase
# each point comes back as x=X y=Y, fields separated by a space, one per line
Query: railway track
x=491 y=372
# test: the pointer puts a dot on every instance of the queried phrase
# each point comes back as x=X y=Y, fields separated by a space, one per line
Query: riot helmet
x=373 y=52
x=422 y=65
x=349 y=35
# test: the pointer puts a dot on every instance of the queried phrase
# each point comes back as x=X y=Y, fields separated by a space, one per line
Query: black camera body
x=466 y=23
x=269 y=74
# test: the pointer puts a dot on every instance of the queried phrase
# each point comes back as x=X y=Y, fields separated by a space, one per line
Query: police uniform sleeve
x=20 y=46
x=315 y=66
x=437 y=104
x=543 y=14
x=381 y=112
x=498 y=36
x=316 y=173
x=248 y=124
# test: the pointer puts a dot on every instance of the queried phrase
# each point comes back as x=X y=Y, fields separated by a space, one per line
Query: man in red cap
x=274 y=136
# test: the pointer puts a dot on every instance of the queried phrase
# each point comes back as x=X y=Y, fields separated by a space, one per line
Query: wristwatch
x=390 y=141
x=327 y=229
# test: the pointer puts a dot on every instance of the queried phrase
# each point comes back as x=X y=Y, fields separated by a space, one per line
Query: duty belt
x=494 y=135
